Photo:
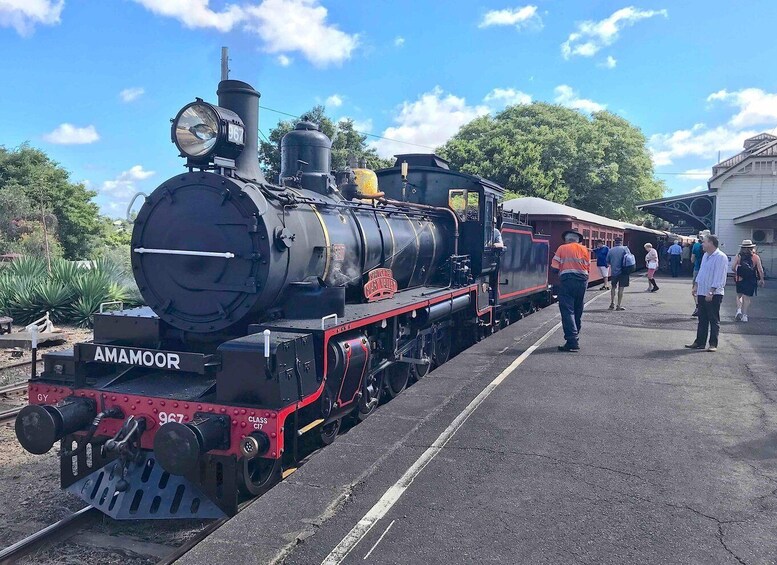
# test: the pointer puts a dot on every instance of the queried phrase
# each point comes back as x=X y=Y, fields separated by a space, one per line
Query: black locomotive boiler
x=275 y=310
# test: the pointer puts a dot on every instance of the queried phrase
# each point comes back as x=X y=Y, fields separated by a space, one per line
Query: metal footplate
x=153 y=493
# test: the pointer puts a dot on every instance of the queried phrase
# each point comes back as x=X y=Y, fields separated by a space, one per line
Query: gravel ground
x=8 y=356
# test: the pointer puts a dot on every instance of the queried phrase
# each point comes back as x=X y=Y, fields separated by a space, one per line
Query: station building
x=740 y=202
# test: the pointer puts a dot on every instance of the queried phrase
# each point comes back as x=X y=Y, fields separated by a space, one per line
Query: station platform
x=634 y=450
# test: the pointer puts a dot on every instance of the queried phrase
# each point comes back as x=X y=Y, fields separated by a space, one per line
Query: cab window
x=457 y=201
x=473 y=206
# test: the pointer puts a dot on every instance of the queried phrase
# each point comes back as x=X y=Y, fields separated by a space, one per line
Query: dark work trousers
x=674 y=262
x=570 y=303
x=709 y=321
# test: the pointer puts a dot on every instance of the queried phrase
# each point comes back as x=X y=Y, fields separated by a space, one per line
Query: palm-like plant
x=70 y=293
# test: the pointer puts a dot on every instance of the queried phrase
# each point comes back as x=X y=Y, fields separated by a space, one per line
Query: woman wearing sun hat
x=749 y=274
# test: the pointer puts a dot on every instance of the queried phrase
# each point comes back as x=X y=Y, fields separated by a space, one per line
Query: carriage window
x=473 y=206
x=457 y=201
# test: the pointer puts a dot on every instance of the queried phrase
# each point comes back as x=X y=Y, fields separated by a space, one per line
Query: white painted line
x=380 y=539
x=392 y=495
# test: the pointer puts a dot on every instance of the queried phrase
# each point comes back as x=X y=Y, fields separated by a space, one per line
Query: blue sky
x=95 y=82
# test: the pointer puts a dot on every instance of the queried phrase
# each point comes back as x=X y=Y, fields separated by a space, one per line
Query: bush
x=71 y=293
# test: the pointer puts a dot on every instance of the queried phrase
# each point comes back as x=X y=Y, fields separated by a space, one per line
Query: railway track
x=75 y=526
x=9 y=414
x=49 y=535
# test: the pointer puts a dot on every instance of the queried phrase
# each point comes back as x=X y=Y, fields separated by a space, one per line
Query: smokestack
x=241 y=98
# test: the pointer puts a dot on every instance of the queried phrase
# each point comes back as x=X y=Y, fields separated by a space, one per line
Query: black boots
x=653 y=285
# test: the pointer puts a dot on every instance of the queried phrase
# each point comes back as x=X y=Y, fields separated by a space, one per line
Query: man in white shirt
x=708 y=287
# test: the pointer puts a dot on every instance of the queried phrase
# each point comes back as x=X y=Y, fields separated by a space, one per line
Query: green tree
x=40 y=188
x=600 y=163
x=347 y=143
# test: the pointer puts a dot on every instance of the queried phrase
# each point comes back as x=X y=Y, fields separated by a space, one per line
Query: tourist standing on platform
x=686 y=259
x=675 y=258
x=697 y=252
x=601 y=252
x=651 y=260
x=619 y=274
x=571 y=262
x=749 y=274
x=708 y=288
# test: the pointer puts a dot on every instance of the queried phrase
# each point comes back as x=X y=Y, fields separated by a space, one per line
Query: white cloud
x=699 y=141
x=507 y=97
x=696 y=174
x=700 y=188
x=756 y=107
x=609 y=63
x=399 y=41
x=522 y=17
x=124 y=185
x=131 y=94
x=284 y=26
x=592 y=36
x=334 y=101
x=363 y=126
x=429 y=122
x=68 y=134
x=196 y=13
x=567 y=96
x=284 y=61
x=300 y=25
x=24 y=15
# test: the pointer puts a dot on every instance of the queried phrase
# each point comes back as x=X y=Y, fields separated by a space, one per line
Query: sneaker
x=567 y=347
x=738 y=317
x=612 y=306
x=712 y=348
x=620 y=308
x=694 y=345
x=744 y=318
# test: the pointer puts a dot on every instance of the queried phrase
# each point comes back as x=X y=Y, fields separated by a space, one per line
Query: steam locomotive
x=275 y=311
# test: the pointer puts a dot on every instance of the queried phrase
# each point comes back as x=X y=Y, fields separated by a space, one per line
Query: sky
x=94 y=83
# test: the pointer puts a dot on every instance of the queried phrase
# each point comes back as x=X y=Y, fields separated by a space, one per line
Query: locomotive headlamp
x=202 y=131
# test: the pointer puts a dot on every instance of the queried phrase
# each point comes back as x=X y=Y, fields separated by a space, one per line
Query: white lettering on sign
x=42 y=397
x=257 y=421
x=165 y=417
x=162 y=360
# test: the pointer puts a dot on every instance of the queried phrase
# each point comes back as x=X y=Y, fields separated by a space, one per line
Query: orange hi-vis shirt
x=572 y=259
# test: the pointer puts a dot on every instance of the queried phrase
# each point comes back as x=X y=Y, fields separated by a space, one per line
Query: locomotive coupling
x=39 y=426
x=180 y=447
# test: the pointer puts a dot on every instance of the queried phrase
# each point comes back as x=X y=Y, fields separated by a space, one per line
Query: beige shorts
x=605 y=271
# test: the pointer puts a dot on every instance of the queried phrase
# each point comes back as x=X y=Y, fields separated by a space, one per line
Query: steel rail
x=50 y=534
x=8 y=415
x=18 y=364
x=13 y=387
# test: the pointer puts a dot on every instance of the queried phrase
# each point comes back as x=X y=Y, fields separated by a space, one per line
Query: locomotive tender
x=274 y=312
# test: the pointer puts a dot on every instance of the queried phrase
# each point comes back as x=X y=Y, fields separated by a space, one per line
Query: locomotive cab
x=473 y=199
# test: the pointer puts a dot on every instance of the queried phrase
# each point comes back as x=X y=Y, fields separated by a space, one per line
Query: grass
x=71 y=293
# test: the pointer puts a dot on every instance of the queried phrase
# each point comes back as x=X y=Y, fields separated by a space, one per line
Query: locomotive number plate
x=151 y=358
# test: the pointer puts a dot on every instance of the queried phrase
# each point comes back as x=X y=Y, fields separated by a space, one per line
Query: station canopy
x=688 y=213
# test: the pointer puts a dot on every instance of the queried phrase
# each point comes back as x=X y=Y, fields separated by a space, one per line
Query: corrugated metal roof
x=541 y=207
x=762 y=145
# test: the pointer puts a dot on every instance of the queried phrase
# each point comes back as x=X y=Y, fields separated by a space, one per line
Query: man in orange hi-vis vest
x=571 y=262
